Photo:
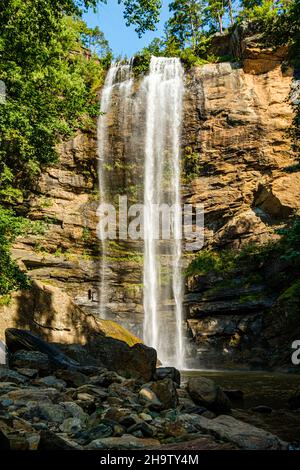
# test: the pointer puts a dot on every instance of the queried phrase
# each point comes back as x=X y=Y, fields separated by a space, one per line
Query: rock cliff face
x=236 y=150
x=235 y=137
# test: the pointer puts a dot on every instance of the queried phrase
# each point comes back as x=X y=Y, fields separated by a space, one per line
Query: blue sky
x=122 y=40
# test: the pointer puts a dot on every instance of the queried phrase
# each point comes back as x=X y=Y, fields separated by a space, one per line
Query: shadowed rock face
x=47 y=311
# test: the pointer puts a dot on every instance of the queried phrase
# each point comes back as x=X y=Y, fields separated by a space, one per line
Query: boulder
x=138 y=361
x=51 y=381
x=51 y=441
x=50 y=312
x=207 y=393
x=32 y=394
x=74 y=410
x=7 y=375
x=244 y=435
x=160 y=395
x=29 y=359
x=71 y=426
x=49 y=412
x=17 y=340
x=149 y=399
x=125 y=442
x=168 y=373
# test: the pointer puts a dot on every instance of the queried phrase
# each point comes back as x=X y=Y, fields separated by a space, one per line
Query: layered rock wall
x=236 y=155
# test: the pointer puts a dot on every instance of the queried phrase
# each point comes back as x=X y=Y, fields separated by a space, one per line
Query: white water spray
x=120 y=80
x=165 y=88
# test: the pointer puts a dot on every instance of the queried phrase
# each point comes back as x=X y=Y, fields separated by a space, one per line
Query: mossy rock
x=292 y=293
x=115 y=331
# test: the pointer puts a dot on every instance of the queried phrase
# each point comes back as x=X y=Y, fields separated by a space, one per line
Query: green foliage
x=261 y=10
x=292 y=294
x=226 y=261
x=144 y=14
x=187 y=22
x=291 y=242
x=192 y=166
x=51 y=86
x=11 y=278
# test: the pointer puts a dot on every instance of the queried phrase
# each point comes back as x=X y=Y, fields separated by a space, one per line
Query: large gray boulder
x=207 y=393
x=244 y=435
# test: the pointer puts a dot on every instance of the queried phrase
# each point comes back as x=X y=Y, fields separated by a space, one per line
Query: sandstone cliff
x=236 y=153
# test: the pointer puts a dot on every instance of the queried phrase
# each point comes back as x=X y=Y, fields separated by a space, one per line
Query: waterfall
x=164 y=88
x=139 y=140
x=119 y=80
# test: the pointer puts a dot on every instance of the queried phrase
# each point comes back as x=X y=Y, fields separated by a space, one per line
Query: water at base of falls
x=148 y=115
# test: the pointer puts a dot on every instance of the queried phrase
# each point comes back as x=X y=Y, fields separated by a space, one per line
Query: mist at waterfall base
x=155 y=100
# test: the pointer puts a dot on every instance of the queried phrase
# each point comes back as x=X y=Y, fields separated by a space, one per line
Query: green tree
x=215 y=12
x=187 y=22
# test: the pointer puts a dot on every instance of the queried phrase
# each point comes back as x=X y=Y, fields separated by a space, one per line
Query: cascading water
x=139 y=131
x=163 y=322
x=118 y=80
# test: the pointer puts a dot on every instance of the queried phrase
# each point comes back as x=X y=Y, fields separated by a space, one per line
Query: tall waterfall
x=139 y=147
x=118 y=80
x=163 y=320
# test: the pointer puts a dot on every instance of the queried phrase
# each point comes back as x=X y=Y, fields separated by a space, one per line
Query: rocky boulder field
x=51 y=398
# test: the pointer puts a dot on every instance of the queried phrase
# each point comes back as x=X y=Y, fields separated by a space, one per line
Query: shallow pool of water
x=260 y=388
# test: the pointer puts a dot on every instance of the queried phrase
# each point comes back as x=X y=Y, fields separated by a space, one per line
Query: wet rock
x=51 y=441
x=87 y=403
x=149 y=399
x=130 y=419
x=17 y=340
x=85 y=397
x=115 y=401
x=7 y=375
x=74 y=410
x=29 y=373
x=174 y=429
x=167 y=373
x=49 y=412
x=71 y=426
x=207 y=393
x=145 y=417
x=51 y=381
x=72 y=378
x=163 y=390
x=125 y=442
x=106 y=379
x=244 y=435
x=98 y=432
x=31 y=394
x=121 y=415
x=96 y=392
x=145 y=429
x=29 y=360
